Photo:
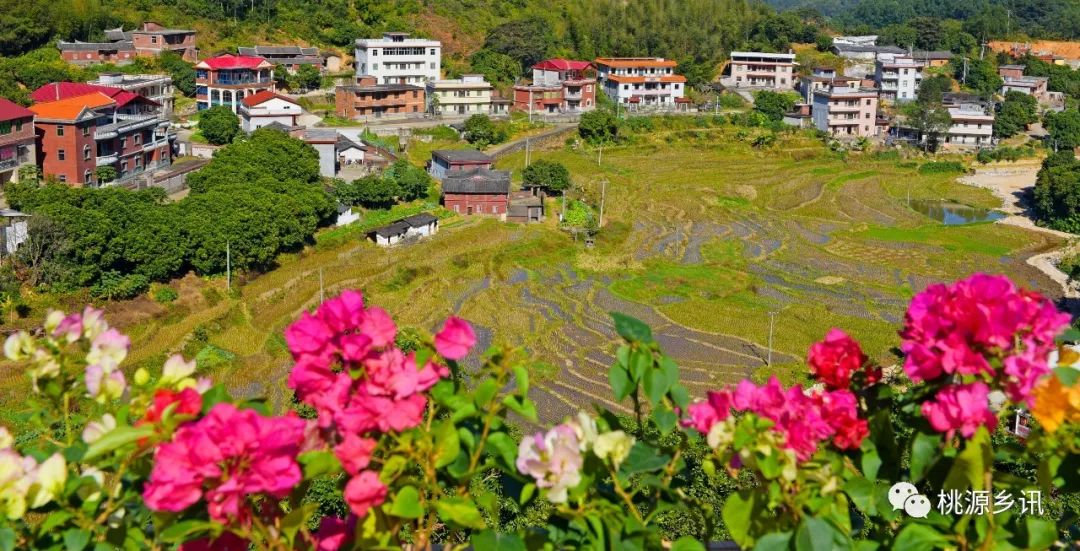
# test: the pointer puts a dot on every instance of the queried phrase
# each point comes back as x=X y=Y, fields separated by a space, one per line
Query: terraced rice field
x=703 y=237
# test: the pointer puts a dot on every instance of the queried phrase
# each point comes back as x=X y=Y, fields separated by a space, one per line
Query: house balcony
x=26 y=135
x=573 y=95
x=8 y=164
x=107 y=159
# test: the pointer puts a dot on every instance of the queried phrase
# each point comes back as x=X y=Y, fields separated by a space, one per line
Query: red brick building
x=480 y=191
x=368 y=99
x=79 y=134
x=122 y=47
x=446 y=161
x=16 y=139
x=558 y=85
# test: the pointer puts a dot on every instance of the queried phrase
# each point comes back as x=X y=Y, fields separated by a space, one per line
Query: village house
x=762 y=70
x=398 y=59
x=898 y=79
x=158 y=88
x=17 y=140
x=846 y=112
x=325 y=143
x=368 y=99
x=478 y=191
x=972 y=127
x=228 y=79
x=525 y=207
x=866 y=53
x=823 y=78
x=152 y=39
x=265 y=107
x=558 y=86
x=641 y=81
x=932 y=58
x=291 y=57
x=362 y=153
x=90 y=53
x=446 y=161
x=468 y=95
x=79 y=134
x=1031 y=86
x=411 y=228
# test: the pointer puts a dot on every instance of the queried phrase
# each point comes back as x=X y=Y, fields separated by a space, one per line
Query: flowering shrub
x=421 y=449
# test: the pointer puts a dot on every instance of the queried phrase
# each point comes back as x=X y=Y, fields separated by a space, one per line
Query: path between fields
x=1012 y=183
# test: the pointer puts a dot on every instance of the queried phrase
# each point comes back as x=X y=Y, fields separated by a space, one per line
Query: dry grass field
x=703 y=236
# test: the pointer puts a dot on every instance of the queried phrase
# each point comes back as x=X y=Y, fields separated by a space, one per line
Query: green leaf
x=773 y=540
x=643 y=458
x=407 y=504
x=687 y=543
x=1041 y=533
x=216 y=395
x=55 y=518
x=7 y=539
x=296 y=518
x=317 y=463
x=666 y=420
x=184 y=530
x=75 y=539
x=394 y=465
x=485 y=391
x=924 y=448
x=919 y=537
x=680 y=396
x=870 y=460
x=970 y=466
x=521 y=378
x=489 y=540
x=521 y=406
x=1070 y=335
x=632 y=329
x=621 y=385
x=460 y=511
x=117 y=438
x=447 y=444
x=742 y=513
x=640 y=364
x=1067 y=375
x=863 y=494
x=814 y=533
x=656 y=385
x=527 y=492
x=503 y=447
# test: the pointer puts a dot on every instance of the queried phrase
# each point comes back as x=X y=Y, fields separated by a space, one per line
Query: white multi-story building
x=397 y=59
x=468 y=95
x=641 y=81
x=763 y=70
x=158 y=88
x=898 y=78
x=971 y=127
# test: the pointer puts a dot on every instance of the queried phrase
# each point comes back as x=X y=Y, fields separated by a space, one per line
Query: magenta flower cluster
x=977 y=334
x=804 y=421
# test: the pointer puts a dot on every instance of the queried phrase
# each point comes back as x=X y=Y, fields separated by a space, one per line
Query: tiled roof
x=11 y=111
x=121 y=46
x=480 y=180
x=55 y=91
x=296 y=51
x=392 y=229
x=559 y=64
x=70 y=108
x=629 y=62
x=229 y=61
x=419 y=220
x=463 y=155
x=265 y=96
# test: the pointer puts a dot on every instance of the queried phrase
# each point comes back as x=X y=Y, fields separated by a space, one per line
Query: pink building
x=844 y=111
x=558 y=85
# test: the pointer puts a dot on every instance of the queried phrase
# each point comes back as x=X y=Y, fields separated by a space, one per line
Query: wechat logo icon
x=904 y=495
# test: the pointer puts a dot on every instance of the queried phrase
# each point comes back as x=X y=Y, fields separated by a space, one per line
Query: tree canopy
x=482 y=132
x=773 y=104
x=551 y=176
x=1015 y=113
x=598 y=126
x=219 y=125
x=1064 y=128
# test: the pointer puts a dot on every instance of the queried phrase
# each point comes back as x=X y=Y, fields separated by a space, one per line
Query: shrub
x=219 y=125
x=941 y=167
x=114 y=286
x=165 y=295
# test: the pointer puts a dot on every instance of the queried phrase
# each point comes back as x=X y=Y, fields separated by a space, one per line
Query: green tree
x=482 y=132
x=524 y=40
x=374 y=192
x=933 y=88
x=773 y=104
x=219 y=125
x=1057 y=191
x=105 y=174
x=1015 y=113
x=930 y=120
x=981 y=75
x=412 y=181
x=308 y=77
x=598 y=126
x=1064 y=128
x=496 y=67
x=552 y=176
x=182 y=72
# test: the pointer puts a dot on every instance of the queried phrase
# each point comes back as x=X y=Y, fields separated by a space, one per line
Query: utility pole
x=600 y=154
x=526 y=151
x=530 y=105
x=964 y=77
x=228 y=266
x=603 y=195
x=322 y=293
x=772 y=316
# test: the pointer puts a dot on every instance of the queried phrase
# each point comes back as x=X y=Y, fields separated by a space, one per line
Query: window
x=86 y=130
x=868 y=115
x=374 y=66
x=374 y=52
x=63 y=177
x=123 y=143
x=61 y=154
x=86 y=153
x=432 y=52
x=866 y=128
x=432 y=65
x=123 y=167
x=59 y=130
x=138 y=139
x=153 y=39
x=88 y=177
x=138 y=162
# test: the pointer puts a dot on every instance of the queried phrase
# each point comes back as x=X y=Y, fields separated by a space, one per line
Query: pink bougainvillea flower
x=378 y=325
x=226 y=456
x=354 y=452
x=104 y=385
x=343 y=312
x=363 y=492
x=703 y=415
x=553 y=459
x=840 y=409
x=227 y=541
x=108 y=350
x=963 y=328
x=455 y=339
x=366 y=412
x=334 y=533
x=835 y=359
x=962 y=408
x=188 y=403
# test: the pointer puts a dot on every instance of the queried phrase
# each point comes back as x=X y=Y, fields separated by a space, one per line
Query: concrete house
x=17 y=140
x=368 y=99
x=468 y=95
x=558 y=85
x=263 y=108
x=411 y=228
x=13 y=230
x=641 y=81
x=846 y=112
x=396 y=58
x=898 y=78
x=228 y=79
x=762 y=70
x=446 y=161
x=158 y=88
x=291 y=57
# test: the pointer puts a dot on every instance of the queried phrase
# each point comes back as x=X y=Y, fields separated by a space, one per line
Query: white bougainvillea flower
x=176 y=369
x=46 y=480
x=108 y=350
x=96 y=429
x=613 y=446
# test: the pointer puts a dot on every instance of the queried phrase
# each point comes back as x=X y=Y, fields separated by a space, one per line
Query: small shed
x=390 y=234
x=349 y=152
x=525 y=207
x=346 y=215
x=421 y=225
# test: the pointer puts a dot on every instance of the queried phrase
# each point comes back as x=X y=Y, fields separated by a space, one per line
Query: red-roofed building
x=16 y=139
x=265 y=108
x=127 y=103
x=228 y=79
x=641 y=81
x=79 y=134
x=558 y=85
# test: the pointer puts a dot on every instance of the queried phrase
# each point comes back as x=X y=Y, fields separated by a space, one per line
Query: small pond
x=954 y=214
